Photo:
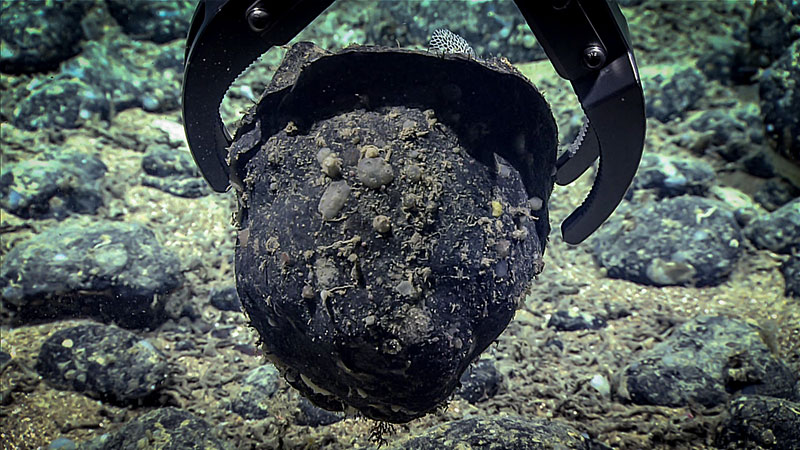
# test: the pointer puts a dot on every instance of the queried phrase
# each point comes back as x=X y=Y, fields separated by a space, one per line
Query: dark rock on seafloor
x=780 y=103
x=55 y=186
x=59 y=102
x=771 y=28
x=731 y=133
x=173 y=171
x=5 y=358
x=410 y=240
x=156 y=21
x=779 y=231
x=671 y=96
x=791 y=273
x=705 y=361
x=255 y=396
x=104 y=361
x=727 y=61
x=164 y=429
x=755 y=421
x=671 y=177
x=744 y=208
x=480 y=382
x=675 y=241
x=110 y=271
x=490 y=433
x=37 y=36
x=775 y=193
x=105 y=78
x=314 y=416
x=569 y=321
x=225 y=298
x=149 y=79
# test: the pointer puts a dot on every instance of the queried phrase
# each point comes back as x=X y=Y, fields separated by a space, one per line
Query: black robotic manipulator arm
x=586 y=40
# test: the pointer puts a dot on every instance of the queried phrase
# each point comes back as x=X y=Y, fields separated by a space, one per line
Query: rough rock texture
x=173 y=171
x=253 y=400
x=36 y=36
x=384 y=317
x=480 y=382
x=225 y=298
x=54 y=186
x=670 y=177
x=156 y=21
x=61 y=102
x=705 y=361
x=780 y=102
x=108 y=76
x=668 y=97
x=778 y=231
x=775 y=193
x=494 y=433
x=164 y=429
x=755 y=421
x=103 y=361
x=772 y=28
x=680 y=240
x=575 y=320
x=314 y=416
x=733 y=134
x=111 y=271
x=791 y=273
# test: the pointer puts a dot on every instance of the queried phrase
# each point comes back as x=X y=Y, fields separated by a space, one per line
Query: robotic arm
x=586 y=40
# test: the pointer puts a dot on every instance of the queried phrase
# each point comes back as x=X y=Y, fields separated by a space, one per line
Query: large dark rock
x=791 y=273
x=679 y=240
x=56 y=186
x=755 y=421
x=37 y=36
x=705 y=361
x=731 y=133
x=253 y=400
x=110 y=271
x=104 y=361
x=778 y=231
x=225 y=298
x=564 y=320
x=490 y=433
x=780 y=102
x=771 y=29
x=381 y=250
x=107 y=77
x=156 y=21
x=670 y=177
x=173 y=171
x=673 y=95
x=164 y=429
x=775 y=193
x=313 y=416
x=59 y=102
x=728 y=61
x=480 y=382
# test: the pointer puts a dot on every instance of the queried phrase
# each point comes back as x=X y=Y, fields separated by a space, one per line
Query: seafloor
x=546 y=373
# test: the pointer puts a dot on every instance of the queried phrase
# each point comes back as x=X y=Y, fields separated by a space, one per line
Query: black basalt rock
x=104 y=361
x=383 y=244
